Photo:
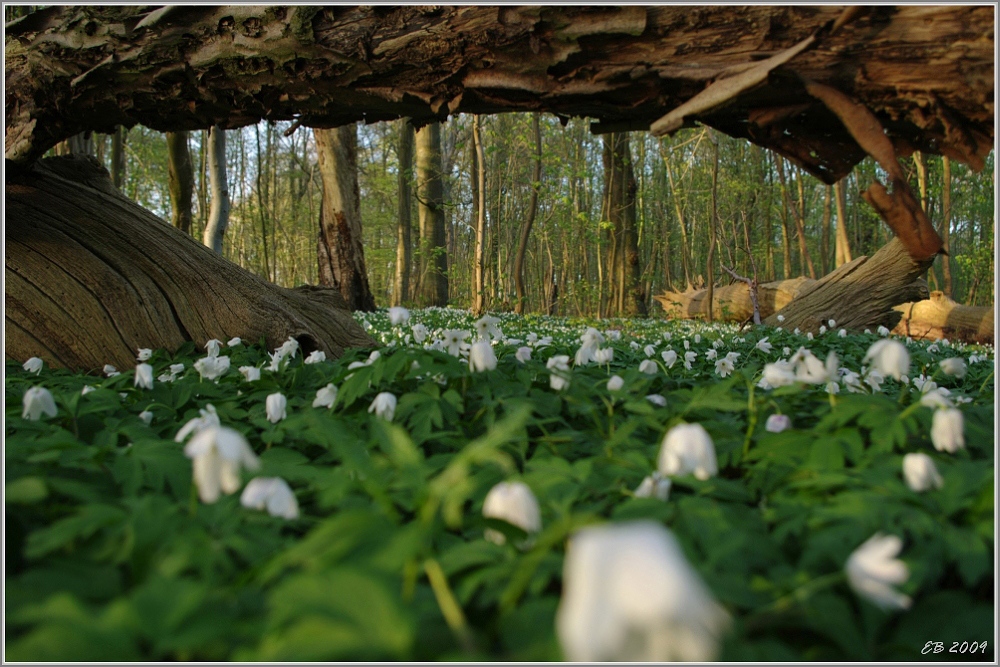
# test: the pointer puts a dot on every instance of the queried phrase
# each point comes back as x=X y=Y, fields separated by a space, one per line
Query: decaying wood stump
x=940 y=317
x=860 y=294
x=91 y=277
x=732 y=302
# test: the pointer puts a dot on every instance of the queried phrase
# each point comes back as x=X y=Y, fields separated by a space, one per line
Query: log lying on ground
x=940 y=317
x=860 y=294
x=732 y=302
x=91 y=277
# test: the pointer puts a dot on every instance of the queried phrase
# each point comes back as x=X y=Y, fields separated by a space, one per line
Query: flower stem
x=802 y=593
x=449 y=606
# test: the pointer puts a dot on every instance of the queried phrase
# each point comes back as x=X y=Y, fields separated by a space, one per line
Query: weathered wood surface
x=860 y=294
x=940 y=317
x=731 y=303
x=926 y=72
x=91 y=277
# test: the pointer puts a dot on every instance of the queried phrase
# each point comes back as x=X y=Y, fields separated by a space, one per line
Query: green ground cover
x=112 y=553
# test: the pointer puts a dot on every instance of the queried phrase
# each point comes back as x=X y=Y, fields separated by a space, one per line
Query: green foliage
x=111 y=557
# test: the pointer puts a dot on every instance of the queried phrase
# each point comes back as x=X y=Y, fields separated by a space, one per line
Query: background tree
x=340 y=247
x=218 y=215
x=430 y=207
x=180 y=180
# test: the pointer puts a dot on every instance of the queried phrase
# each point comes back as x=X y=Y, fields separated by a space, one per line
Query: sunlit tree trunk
x=401 y=291
x=946 y=223
x=340 y=248
x=529 y=220
x=712 y=223
x=180 y=180
x=218 y=214
x=843 y=253
x=478 y=273
x=430 y=209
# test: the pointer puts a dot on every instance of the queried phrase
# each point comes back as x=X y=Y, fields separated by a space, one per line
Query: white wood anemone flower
x=873 y=569
x=218 y=454
x=482 y=357
x=33 y=365
x=947 y=430
x=275 y=407
x=38 y=401
x=144 y=376
x=272 y=494
x=384 y=406
x=688 y=449
x=514 y=503
x=889 y=357
x=629 y=594
x=920 y=473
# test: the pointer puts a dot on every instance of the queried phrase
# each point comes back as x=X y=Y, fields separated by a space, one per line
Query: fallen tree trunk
x=91 y=277
x=940 y=317
x=860 y=294
x=732 y=302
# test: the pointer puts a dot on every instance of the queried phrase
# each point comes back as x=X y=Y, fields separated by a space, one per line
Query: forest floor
x=135 y=529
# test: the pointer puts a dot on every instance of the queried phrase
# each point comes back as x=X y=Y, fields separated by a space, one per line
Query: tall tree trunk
x=946 y=223
x=825 y=240
x=430 y=209
x=203 y=182
x=681 y=223
x=843 y=254
x=180 y=180
x=712 y=222
x=404 y=223
x=529 y=220
x=479 y=173
x=921 y=167
x=340 y=247
x=118 y=156
x=800 y=221
x=218 y=214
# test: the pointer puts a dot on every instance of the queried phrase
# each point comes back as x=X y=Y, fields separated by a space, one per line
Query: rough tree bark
x=479 y=173
x=340 y=251
x=118 y=156
x=180 y=180
x=404 y=222
x=924 y=72
x=940 y=317
x=843 y=251
x=76 y=247
x=731 y=303
x=430 y=214
x=218 y=214
x=529 y=221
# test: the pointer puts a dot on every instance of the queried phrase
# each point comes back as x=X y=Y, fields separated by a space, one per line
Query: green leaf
x=26 y=491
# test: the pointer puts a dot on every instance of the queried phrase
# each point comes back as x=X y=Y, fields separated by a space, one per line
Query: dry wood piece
x=926 y=72
x=91 y=277
x=732 y=302
x=860 y=294
x=940 y=317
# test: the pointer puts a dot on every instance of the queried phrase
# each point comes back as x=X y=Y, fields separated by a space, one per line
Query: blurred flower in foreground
x=234 y=341
x=144 y=376
x=654 y=486
x=648 y=366
x=398 y=316
x=274 y=406
x=419 y=334
x=514 y=503
x=889 y=357
x=273 y=494
x=482 y=357
x=873 y=568
x=629 y=594
x=384 y=406
x=251 y=373
x=208 y=418
x=777 y=423
x=325 y=396
x=615 y=382
x=920 y=473
x=947 y=430
x=218 y=454
x=212 y=368
x=315 y=357
x=144 y=354
x=213 y=346
x=560 y=373
x=523 y=354
x=33 y=365
x=688 y=448
x=36 y=401
x=954 y=366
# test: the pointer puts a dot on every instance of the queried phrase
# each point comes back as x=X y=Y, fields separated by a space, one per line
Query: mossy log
x=91 y=277
x=940 y=317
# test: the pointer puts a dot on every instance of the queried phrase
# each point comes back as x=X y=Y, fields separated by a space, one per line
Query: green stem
x=802 y=593
x=985 y=382
x=449 y=606
x=752 y=409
